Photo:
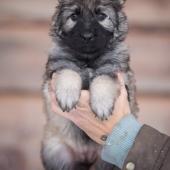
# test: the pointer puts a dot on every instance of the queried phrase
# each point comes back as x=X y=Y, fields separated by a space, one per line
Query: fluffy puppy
x=88 y=51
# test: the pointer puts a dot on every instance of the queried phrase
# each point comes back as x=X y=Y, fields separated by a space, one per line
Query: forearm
x=151 y=150
x=120 y=141
x=136 y=146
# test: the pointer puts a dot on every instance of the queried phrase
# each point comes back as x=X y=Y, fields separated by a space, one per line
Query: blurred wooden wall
x=24 y=44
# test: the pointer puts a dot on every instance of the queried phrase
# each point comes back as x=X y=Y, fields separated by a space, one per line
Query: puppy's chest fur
x=90 y=69
x=89 y=66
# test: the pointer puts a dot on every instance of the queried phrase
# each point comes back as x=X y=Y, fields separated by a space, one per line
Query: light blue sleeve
x=120 y=141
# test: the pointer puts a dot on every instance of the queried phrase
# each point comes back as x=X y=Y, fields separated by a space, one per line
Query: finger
x=121 y=79
x=84 y=99
x=53 y=101
x=53 y=81
x=123 y=91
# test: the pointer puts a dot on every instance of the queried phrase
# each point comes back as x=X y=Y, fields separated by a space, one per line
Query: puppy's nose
x=87 y=36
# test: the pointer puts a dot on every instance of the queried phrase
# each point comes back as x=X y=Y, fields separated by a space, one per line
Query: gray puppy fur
x=88 y=51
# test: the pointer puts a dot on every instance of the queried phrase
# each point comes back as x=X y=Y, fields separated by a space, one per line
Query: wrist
x=120 y=141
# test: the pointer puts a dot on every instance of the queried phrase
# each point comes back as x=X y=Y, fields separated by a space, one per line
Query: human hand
x=85 y=119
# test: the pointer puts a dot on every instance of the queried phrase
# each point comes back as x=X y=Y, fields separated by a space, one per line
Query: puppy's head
x=89 y=26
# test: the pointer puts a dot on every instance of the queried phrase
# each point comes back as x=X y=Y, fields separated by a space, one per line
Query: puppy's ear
x=60 y=1
x=122 y=2
x=63 y=1
x=119 y=2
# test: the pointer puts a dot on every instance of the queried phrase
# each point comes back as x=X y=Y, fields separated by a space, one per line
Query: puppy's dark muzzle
x=87 y=36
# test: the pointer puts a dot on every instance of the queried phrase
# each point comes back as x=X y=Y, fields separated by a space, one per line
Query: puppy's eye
x=101 y=16
x=74 y=17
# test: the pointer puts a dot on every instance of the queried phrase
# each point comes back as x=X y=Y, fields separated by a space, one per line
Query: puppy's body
x=88 y=51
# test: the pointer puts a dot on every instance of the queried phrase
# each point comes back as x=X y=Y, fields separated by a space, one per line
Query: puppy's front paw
x=104 y=91
x=68 y=87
